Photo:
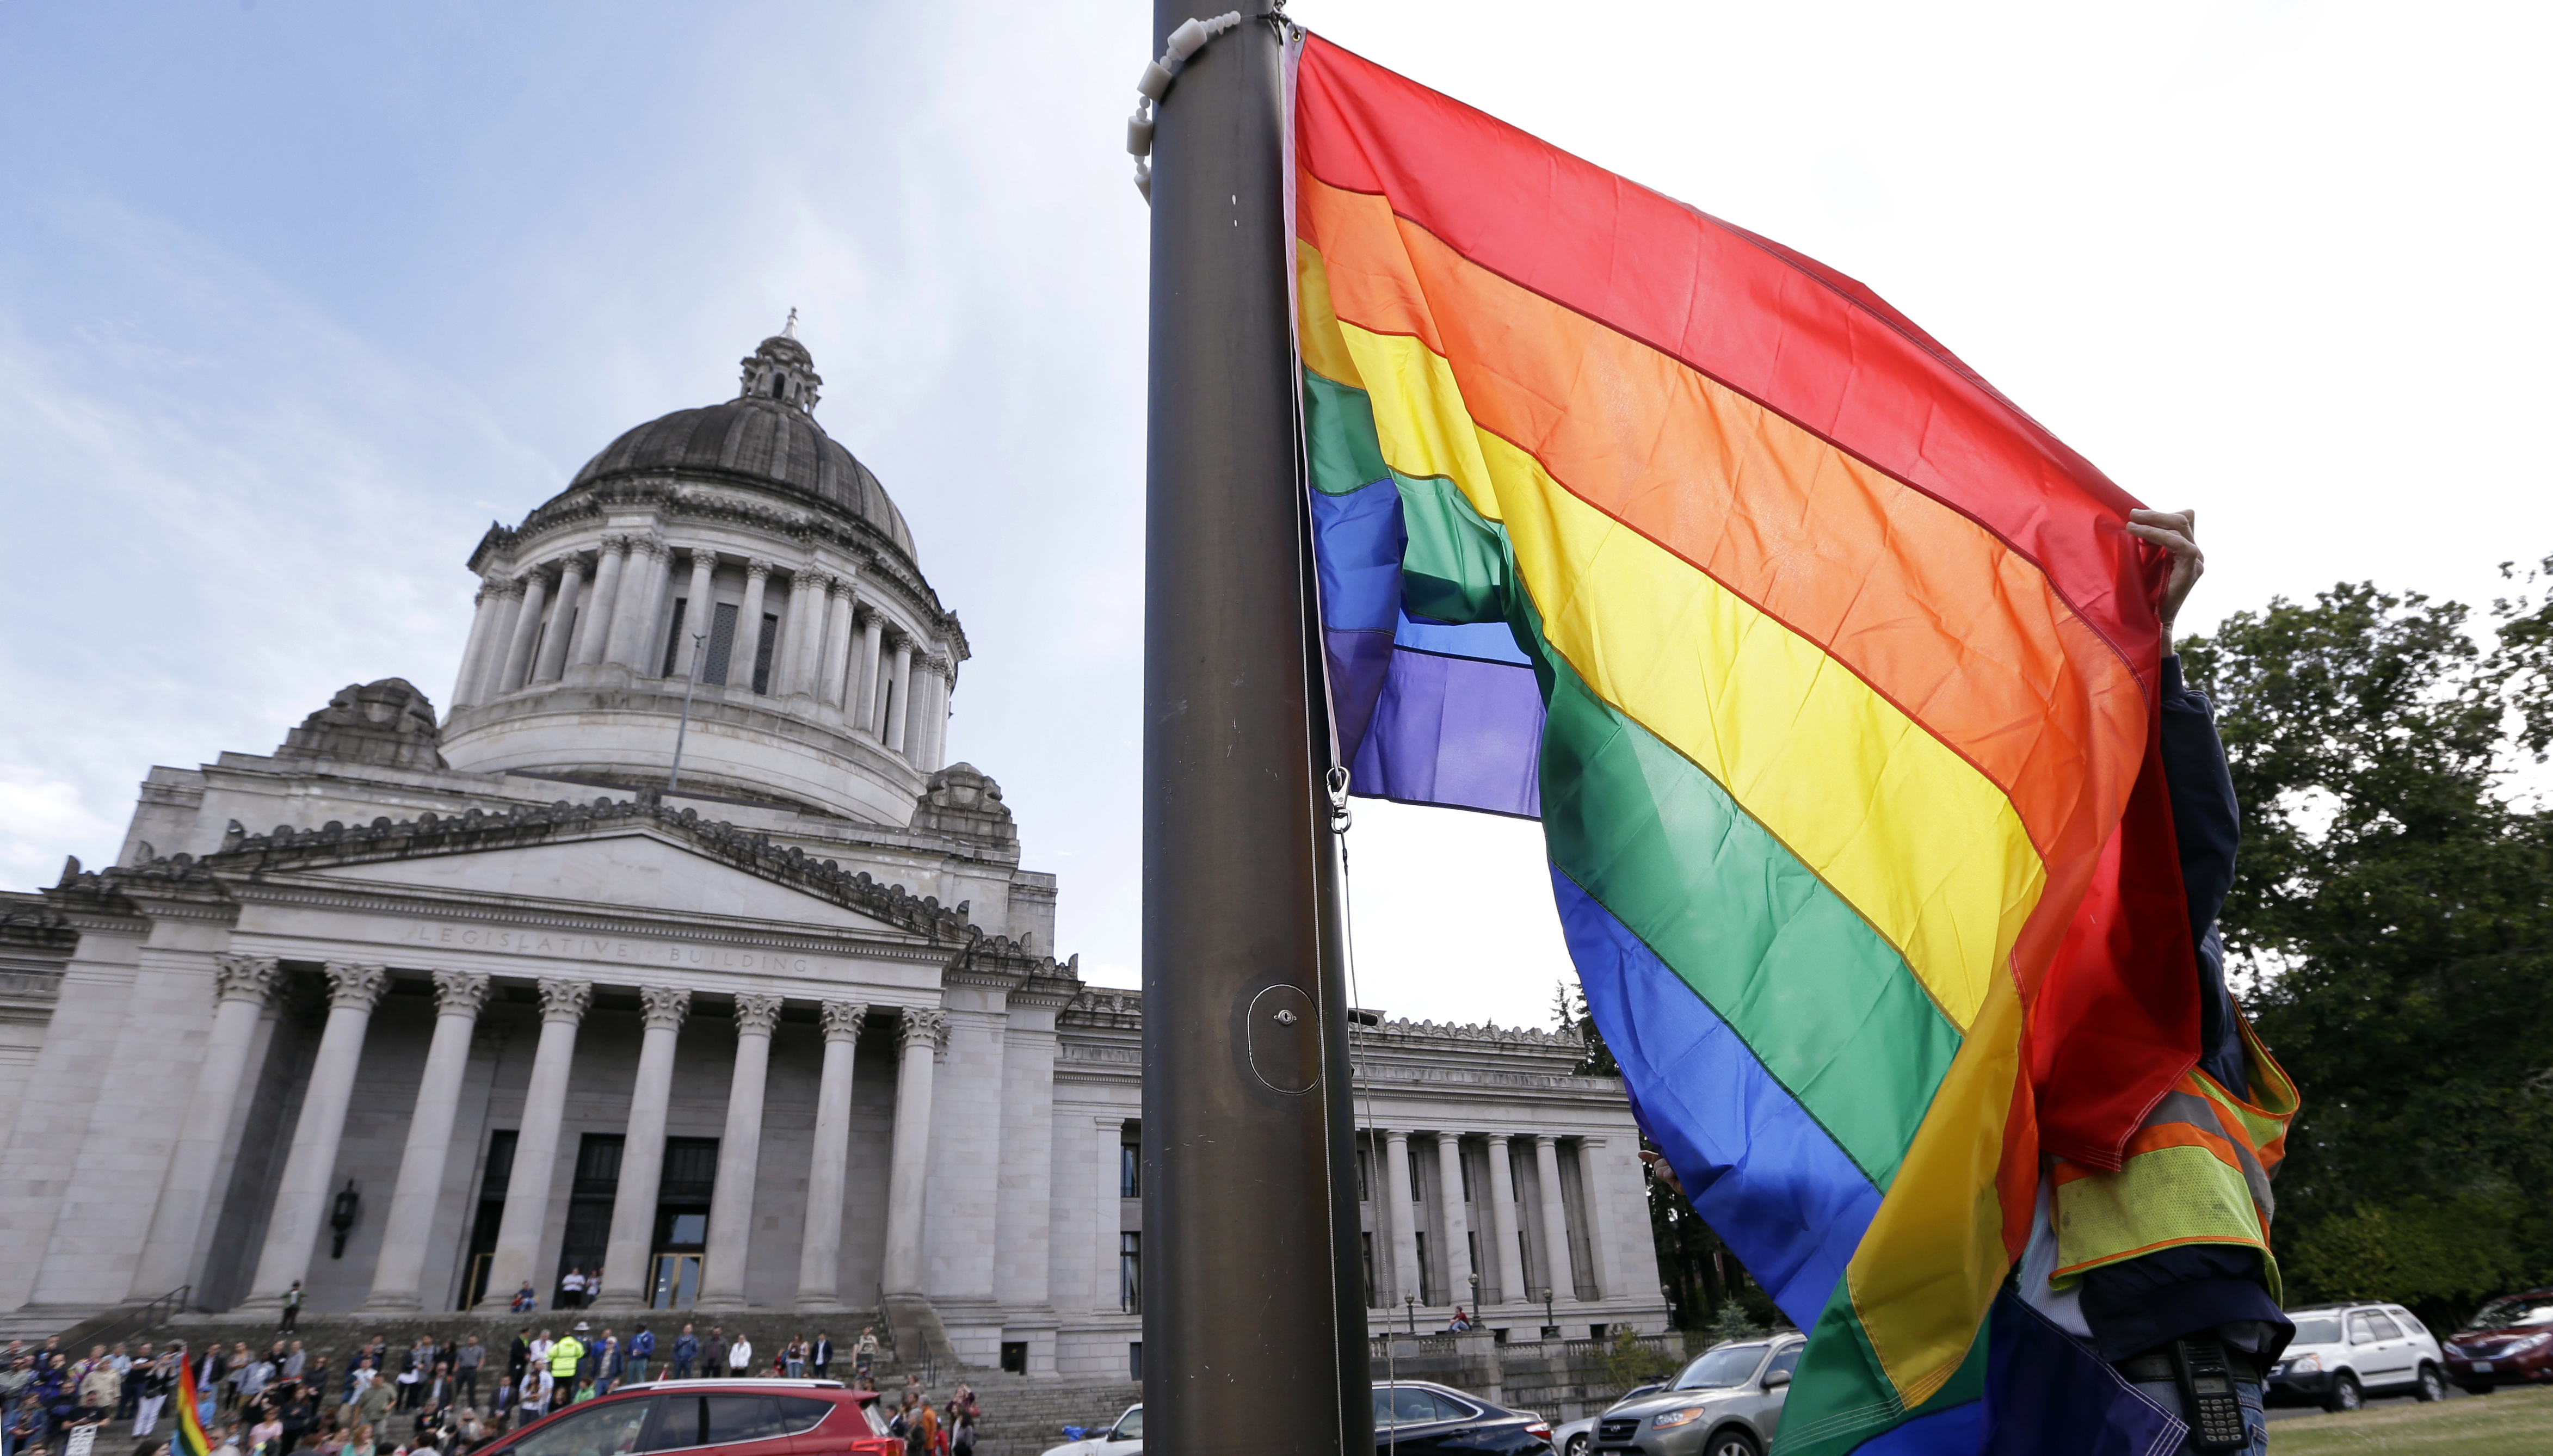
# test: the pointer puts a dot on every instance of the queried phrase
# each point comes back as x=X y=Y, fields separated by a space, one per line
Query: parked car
x=1573 y=1438
x=2343 y=1352
x=713 y=1418
x=1727 y=1402
x=1124 y=1438
x=1413 y=1417
x=1417 y=1416
x=2507 y=1342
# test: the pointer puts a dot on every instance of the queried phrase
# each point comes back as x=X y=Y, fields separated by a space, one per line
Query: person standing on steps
x=820 y=1357
x=636 y=1357
x=739 y=1356
x=687 y=1349
x=864 y=1354
x=291 y=1307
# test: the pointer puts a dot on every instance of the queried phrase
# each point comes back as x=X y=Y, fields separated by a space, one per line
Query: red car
x=711 y=1417
x=2507 y=1342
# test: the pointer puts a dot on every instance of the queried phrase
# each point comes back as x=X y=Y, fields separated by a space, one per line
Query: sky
x=297 y=297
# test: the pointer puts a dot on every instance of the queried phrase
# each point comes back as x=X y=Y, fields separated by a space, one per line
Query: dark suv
x=711 y=1417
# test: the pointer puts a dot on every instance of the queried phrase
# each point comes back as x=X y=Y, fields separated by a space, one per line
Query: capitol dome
x=761 y=439
x=735 y=557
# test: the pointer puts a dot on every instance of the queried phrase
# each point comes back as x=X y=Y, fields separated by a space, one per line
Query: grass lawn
x=2511 y=1423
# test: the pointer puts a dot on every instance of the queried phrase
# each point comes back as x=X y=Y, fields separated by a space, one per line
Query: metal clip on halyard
x=1186 y=41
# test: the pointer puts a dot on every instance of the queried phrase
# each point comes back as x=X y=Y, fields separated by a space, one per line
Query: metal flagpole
x=1247 y=1246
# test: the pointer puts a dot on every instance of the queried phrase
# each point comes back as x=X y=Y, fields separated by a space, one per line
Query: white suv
x=2341 y=1353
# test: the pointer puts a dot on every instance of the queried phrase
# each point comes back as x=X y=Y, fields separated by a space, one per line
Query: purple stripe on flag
x=1452 y=731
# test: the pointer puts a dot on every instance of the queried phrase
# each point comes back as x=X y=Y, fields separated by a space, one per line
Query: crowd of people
x=431 y=1399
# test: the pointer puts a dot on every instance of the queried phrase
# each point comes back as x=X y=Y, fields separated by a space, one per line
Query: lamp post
x=1550 y=1331
x=1411 y=1301
x=689 y=681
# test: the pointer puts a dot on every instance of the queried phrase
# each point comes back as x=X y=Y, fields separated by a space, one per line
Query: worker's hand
x=1661 y=1169
x=2176 y=531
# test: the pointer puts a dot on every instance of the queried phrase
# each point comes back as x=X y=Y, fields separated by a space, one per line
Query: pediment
x=639 y=871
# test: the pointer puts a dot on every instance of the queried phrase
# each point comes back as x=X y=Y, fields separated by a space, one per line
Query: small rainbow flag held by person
x=191 y=1440
x=1831 y=676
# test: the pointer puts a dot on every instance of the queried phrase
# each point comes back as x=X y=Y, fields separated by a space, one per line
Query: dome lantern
x=782 y=370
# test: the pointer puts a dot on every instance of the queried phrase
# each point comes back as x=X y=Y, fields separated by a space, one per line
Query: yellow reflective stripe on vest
x=2198 y=1172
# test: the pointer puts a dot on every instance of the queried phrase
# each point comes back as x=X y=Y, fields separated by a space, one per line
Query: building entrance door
x=682 y=1222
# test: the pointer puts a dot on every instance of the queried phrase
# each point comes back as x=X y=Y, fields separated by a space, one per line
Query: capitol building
x=416 y=1009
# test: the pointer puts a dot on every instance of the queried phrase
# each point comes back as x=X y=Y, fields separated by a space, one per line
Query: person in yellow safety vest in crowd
x=565 y=1356
x=2164 y=1266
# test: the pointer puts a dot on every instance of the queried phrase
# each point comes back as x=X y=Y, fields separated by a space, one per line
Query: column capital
x=355 y=988
x=459 y=994
x=702 y=556
x=755 y=1016
x=650 y=546
x=844 y=1020
x=756 y=569
x=616 y=544
x=512 y=586
x=1396 y=1135
x=927 y=1024
x=1545 y=1140
x=244 y=978
x=665 y=1006
x=565 y=1000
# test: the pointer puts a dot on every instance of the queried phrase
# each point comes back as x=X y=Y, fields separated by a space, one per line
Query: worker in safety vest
x=2164 y=1264
x=564 y=1358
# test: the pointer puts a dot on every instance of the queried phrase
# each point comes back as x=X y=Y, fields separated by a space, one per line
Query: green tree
x=2390 y=915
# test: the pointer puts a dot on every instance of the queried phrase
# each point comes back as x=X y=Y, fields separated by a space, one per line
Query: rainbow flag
x=191 y=1440
x=1831 y=676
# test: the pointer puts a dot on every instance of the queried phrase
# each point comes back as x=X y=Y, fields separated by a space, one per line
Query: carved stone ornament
x=665 y=1006
x=927 y=1024
x=844 y=1020
x=245 y=977
x=756 y=569
x=565 y=1000
x=459 y=994
x=755 y=1016
x=355 y=988
x=387 y=723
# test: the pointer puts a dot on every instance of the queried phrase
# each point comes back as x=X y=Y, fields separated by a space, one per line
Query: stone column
x=1452 y=1227
x=241 y=987
x=594 y=633
x=749 y=623
x=1596 y=1191
x=1404 y=1225
x=1555 y=1219
x=788 y=664
x=832 y=655
x=398 y=1277
x=943 y=686
x=310 y=1169
x=872 y=638
x=494 y=653
x=643 y=1151
x=739 y=1157
x=642 y=602
x=1504 y=1222
x=554 y=643
x=527 y=1187
x=695 y=614
x=820 y=1255
x=893 y=693
x=515 y=667
x=486 y=609
x=917 y=712
x=919 y=1039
